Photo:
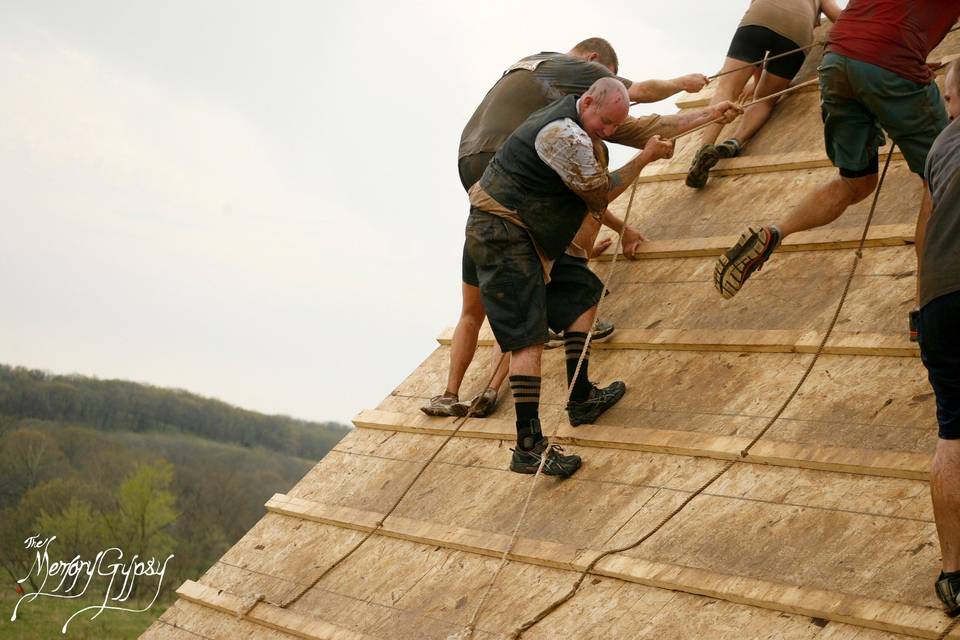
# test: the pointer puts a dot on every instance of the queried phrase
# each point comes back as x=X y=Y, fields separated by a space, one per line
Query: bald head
x=603 y=107
x=951 y=92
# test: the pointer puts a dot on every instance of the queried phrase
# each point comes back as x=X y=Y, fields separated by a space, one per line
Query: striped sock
x=573 y=342
x=526 y=398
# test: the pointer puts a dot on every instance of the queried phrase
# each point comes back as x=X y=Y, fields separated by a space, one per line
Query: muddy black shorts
x=519 y=305
x=751 y=44
x=940 y=352
x=471 y=168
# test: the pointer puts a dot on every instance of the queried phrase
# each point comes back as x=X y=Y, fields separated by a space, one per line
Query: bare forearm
x=612 y=221
x=653 y=90
x=623 y=177
x=678 y=123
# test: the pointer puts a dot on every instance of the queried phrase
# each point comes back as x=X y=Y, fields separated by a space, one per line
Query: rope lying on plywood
x=403 y=494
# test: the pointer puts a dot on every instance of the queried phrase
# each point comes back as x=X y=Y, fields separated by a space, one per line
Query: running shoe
x=740 y=261
x=705 y=159
x=598 y=401
x=556 y=463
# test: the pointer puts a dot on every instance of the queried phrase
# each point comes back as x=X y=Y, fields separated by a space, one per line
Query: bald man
x=525 y=211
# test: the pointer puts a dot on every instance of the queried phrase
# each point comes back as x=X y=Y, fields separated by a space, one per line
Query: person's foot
x=706 y=157
x=481 y=406
x=948 y=590
x=445 y=405
x=728 y=148
x=598 y=401
x=742 y=259
x=556 y=463
x=601 y=331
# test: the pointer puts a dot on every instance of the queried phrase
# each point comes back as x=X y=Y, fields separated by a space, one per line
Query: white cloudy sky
x=258 y=201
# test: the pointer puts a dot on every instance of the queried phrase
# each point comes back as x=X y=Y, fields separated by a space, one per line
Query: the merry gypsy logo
x=71 y=579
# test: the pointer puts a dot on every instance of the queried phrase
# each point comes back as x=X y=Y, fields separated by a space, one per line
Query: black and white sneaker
x=598 y=401
x=601 y=331
x=737 y=264
x=556 y=463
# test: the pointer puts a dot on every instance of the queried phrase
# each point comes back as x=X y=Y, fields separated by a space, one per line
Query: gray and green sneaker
x=444 y=406
x=705 y=159
x=598 y=401
x=948 y=590
x=556 y=463
x=739 y=262
x=601 y=331
x=481 y=406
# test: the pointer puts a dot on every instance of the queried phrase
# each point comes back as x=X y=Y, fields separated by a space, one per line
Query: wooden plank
x=923 y=622
x=768 y=451
x=813 y=240
x=742 y=340
x=184 y=620
x=728 y=204
x=608 y=608
x=264 y=614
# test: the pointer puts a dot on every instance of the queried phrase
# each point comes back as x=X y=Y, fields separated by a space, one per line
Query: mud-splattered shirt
x=568 y=150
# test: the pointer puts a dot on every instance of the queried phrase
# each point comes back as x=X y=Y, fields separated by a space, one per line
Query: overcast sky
x=258 y=201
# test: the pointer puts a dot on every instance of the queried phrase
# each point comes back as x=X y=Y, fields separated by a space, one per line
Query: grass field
x=43 y=618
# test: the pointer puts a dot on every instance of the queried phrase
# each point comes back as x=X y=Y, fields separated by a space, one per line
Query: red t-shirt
x=897 y=35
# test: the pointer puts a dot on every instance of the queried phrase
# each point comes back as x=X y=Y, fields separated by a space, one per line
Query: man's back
x=940 y=271
x=896 y=35
x=527 y=86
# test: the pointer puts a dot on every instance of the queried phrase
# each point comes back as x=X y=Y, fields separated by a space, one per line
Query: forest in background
x=104 y=463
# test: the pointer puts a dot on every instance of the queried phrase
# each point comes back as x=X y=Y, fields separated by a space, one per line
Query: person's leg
x=756 y=116
x=464 y=343
x=940 y=353
x=729 y=87
x=826 y=203
x=525 y=383
x=945 y=491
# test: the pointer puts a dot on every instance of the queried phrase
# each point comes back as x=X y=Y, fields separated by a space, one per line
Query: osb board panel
x=794 y=292
x=608 y=609
x=438 y=585
x=470 y=486
x=890 y=497
x=880 y=403
x=728 y=204
x=368 y=472
x=279 y=557
x=838 y=550
x=189 y=621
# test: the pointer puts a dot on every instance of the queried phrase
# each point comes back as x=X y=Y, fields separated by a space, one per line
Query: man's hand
x=631 y=241
x=692 y=82
x=657 y=148
x=601 y=245
x=727 y=111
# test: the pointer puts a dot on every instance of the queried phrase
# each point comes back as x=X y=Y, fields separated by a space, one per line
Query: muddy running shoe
x=596 y=403
x=728 y=148
x=601 y=331
x=948 y=590
x=742 y=259
x=444 y=405
x=481 y=406
x=557 y=464
x=706 y=157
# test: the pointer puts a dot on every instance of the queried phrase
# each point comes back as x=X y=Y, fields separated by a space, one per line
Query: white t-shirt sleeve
x=568 y=150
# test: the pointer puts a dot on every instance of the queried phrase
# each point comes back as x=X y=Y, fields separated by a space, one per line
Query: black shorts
x=470 y=169
x=751 y=44
x=519 y=305
x=940 y=353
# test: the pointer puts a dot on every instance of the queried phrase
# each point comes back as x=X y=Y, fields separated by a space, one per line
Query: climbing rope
x=767 y=59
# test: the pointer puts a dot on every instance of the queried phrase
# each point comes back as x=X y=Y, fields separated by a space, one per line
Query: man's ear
x=593 y=56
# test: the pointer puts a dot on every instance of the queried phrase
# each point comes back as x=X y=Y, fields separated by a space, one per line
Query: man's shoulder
x=946 y=147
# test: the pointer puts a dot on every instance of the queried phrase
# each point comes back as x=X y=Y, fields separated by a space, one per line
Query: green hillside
x=102 y=463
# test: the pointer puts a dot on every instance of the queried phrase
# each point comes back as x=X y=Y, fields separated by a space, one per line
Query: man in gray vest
x=530 y=84
x=525 y=211
x=938 y=250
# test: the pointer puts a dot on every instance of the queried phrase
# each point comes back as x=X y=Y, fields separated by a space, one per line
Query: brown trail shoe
x=739 y=262
x=705 y=159
x=948 y=590
x=481 y=406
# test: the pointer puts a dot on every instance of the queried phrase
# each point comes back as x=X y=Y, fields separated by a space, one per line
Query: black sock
x=526 y=398
x=573 y=342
